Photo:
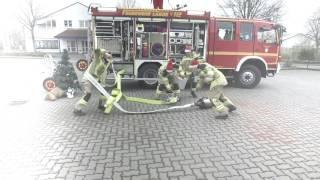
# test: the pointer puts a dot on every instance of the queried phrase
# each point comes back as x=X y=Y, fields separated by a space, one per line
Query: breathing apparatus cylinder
x=204 y=103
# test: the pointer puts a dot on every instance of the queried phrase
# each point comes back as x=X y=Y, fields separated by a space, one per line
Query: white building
x=65 y=28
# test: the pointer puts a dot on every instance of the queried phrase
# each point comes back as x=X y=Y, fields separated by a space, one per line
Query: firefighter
x=184 y=71
x=208 y=74
x=186 y=66
x=193 y=79
x=168 y=87
x=98 y=69
x=196 y=54
x=65 y=78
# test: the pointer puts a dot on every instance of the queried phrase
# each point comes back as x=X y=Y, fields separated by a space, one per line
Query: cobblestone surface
x=274 y=134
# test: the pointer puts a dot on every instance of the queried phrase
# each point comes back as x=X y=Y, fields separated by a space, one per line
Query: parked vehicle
x=142 y=39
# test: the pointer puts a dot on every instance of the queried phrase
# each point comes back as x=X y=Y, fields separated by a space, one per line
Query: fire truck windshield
x=267 y=35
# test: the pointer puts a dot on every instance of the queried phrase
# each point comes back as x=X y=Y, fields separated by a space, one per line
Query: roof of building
x=73 y=34
x=64 y=9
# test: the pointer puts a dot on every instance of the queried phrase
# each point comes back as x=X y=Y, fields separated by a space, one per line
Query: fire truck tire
x=248 y=77
x=148 y=71
x=49 y=84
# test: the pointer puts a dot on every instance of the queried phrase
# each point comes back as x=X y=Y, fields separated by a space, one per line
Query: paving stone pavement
x=274 y=134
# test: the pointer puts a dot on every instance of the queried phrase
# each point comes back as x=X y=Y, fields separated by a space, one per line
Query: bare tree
x=127 y=3
x=314 y=29
x=17 y=41
x=249 y=9
x=28 y=17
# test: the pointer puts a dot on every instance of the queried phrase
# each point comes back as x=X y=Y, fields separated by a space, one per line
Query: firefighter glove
x=201 y=66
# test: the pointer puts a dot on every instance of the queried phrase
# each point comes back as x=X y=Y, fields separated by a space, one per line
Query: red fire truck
x=142 y=39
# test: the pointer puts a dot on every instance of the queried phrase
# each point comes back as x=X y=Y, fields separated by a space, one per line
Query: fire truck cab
x=140 y=40
x=245 y=50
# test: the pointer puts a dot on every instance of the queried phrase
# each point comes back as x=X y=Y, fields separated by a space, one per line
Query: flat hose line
x=117 y=79
x=98 y=86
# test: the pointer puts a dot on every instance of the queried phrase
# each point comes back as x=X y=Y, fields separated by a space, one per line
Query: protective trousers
x=162 y=94
x=219 y=100
x=168 y=88
x=82 y=103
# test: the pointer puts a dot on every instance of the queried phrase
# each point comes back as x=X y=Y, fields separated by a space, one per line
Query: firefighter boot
x=81 y=104
x=78 y=109
x=109 y=104
x=231 y=107
x=102 y=102
x=220 y=109
x=176 y=93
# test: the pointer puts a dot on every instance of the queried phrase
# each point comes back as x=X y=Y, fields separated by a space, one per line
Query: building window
x=83 y=23
x=226 y=30
x=47 y=44
x=86 y=23
x=84 y=46
x=67 y=23
x=48 y=24
x=43 y=25
x=53 y=23
x=246 y=31
x=72 y=46
x=267 y=35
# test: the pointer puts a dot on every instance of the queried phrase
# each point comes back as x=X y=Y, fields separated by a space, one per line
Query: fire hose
x=114 y=76
x=98 y=86
x=203 y=103
x=117 y=80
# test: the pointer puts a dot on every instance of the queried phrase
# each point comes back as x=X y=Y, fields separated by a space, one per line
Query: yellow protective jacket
x=98 y=67
x=184 y=71
x=211 y=75
x=167 y=79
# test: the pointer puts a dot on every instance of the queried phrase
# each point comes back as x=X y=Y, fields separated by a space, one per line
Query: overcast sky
x=296 y=12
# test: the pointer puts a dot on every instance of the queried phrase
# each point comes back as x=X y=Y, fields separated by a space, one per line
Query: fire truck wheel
x=248 y=77
x=49 y=84
x=148 y=71
x=82 y=65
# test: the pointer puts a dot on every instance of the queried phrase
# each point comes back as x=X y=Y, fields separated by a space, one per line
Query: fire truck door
x=225 y=44
x=246 y=39
x=266 y=44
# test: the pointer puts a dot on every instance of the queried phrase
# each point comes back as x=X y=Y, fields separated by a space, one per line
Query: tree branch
x=250 y=9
